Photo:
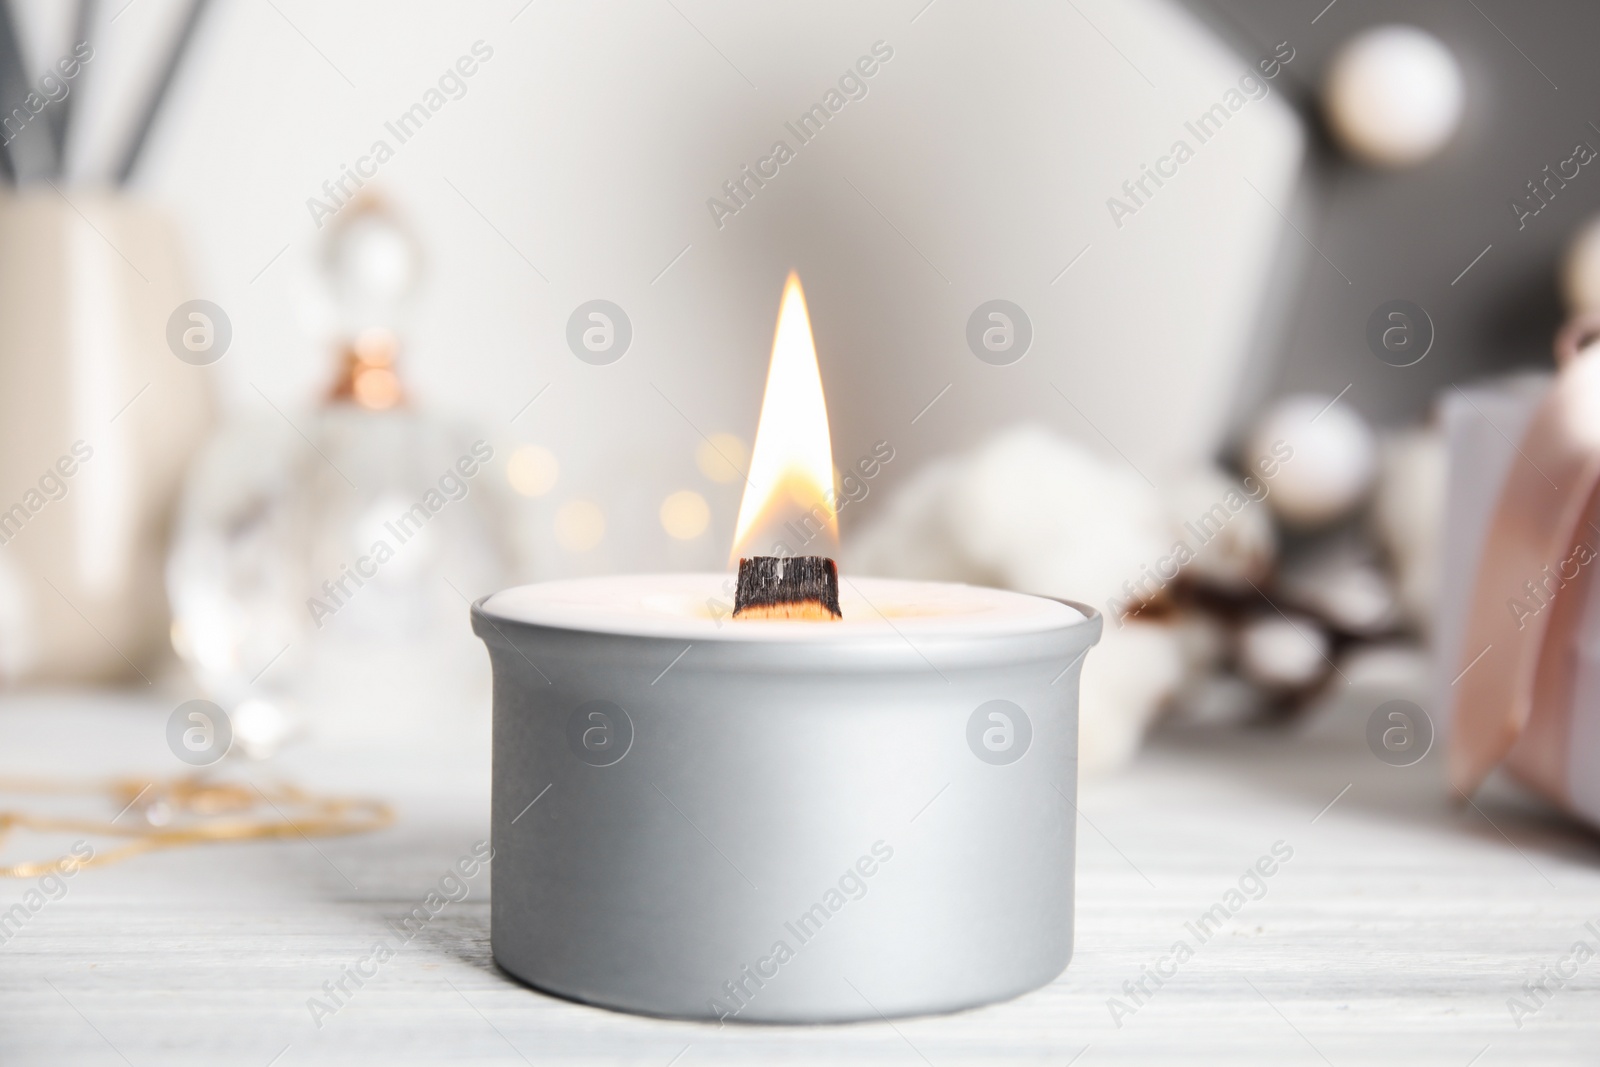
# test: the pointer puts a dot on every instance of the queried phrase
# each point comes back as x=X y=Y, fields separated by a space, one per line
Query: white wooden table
x=1396 y=933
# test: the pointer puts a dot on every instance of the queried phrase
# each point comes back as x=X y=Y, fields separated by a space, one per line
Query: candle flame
x=791 y=466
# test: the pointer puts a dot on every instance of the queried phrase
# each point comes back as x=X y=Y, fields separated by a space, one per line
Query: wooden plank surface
x=1397 y=932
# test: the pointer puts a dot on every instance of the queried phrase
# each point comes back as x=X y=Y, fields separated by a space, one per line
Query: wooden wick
x=788 y=587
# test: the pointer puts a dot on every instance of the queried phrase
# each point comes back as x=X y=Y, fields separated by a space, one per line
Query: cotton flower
x=1032 y=511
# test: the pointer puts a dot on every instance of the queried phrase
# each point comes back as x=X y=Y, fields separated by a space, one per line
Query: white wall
x=987 y=148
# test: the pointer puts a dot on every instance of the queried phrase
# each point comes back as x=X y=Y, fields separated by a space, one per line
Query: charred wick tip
x=787 y=587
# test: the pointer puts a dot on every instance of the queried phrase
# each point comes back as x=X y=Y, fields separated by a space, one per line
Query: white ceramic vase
x=98 y=418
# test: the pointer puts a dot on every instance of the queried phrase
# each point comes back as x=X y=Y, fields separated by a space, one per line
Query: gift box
x=1517 y=634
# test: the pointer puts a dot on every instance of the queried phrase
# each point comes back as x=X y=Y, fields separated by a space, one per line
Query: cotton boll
x=908 y=537
x=1045 y=515
x=1323 y=456
x=1127 y=678
x=1580 y=269
x=1283 y=653
x=1034 y=512
x=1208 y=695
x=1408 y=516
x=1227 y=526
x=1394 y=95
x=1356 y=599
x=1342 y=585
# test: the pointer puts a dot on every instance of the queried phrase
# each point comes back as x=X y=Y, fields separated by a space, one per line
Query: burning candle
x=793 y=795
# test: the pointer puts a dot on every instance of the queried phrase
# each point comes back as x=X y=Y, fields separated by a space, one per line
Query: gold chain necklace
x=187 y=810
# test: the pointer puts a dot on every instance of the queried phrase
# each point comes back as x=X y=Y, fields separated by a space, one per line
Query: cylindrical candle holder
x=720 y=820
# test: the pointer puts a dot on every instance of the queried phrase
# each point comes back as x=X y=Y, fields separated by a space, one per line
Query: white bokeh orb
x=1322 y=456
x=1394 y=95
x=1580 y=269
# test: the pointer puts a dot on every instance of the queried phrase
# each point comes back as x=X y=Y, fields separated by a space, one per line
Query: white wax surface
x=699 y=607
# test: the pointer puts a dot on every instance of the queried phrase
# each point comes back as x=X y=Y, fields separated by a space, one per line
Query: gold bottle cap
x=367 y=376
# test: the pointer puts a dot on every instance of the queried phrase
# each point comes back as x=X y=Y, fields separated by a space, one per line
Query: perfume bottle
x=324 y=563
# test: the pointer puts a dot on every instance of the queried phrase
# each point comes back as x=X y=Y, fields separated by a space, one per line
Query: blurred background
x=492 y=286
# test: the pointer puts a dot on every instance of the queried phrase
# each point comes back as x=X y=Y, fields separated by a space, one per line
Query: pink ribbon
x=1513 y=696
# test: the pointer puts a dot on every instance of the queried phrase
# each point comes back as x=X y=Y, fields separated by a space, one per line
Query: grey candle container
x=781 y=832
